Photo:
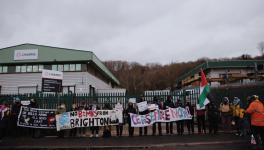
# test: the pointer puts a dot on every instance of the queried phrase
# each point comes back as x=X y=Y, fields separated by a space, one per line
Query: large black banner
x=36 y=118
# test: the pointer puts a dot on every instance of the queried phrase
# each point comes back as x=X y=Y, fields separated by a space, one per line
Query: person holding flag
x=202 y=102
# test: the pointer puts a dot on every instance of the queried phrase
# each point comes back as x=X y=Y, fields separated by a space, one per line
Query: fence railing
x=51 y=101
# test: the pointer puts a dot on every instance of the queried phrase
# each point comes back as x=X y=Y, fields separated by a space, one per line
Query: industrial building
x=224 y=72
x=21 y=66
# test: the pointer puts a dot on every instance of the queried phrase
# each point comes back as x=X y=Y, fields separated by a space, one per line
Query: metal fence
x=51 y=101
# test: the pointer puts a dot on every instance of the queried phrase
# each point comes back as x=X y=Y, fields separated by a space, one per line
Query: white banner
x=86 y=118
x=26 y=54
x=167 y=115
x=51 y=74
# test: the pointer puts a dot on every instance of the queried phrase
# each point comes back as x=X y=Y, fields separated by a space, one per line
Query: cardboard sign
x=142 y=106
x=132 y=100
x=36 y=118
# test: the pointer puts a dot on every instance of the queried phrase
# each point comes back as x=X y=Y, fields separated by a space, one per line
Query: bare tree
x=261 y=47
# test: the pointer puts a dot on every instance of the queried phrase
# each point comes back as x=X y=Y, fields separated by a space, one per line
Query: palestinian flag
x=204 y=90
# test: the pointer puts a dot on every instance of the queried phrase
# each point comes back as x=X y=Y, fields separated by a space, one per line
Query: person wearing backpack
x=225 y=110
x=256 y=111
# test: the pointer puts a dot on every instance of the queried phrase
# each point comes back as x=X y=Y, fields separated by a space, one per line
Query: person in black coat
x=130 y=109
x=180 y=123
x=14 y=116
x=143 y=113
x=155 y=101
x=213 y=117
x=169 y=125
x=190 y=122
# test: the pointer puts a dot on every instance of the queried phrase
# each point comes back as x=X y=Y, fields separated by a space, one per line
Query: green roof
x=54 y=54
x=221 y=64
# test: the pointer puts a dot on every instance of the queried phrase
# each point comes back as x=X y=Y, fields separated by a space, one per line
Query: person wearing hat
x=225 y=112
x=236 y=112
x=256 y=111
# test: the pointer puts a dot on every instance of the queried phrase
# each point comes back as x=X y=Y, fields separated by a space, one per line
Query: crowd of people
x=244 y=119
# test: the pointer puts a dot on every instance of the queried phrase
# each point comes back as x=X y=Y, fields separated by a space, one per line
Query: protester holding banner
x=107 y=129
x=190 y=122
x=14 y=116
x=94 y=129
x=35 y=133
x=169 y=125
x=4 y=118
x=144 y=112
x=156 y=102
x=73 y=131
x=130 y=109
x=61 y=109
x=180 y=123
x=119 y=128
x=82 y=131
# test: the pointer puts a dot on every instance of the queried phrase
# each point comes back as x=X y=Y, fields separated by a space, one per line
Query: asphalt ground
x=222 y=141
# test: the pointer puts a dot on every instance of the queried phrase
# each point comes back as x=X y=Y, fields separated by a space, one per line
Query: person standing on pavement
x=237 y=106
x=35 y=132
x=225 y=112
x=73 y=131
x=61 y=109
x=156 y=102
x=143 y=113
x=4 y=118
x=180 y=123
x=190 y=122
x=213 y=117
x=169 y=104
x=15 y=109
x=94 y=129
x=130 y=109
x=120 y=111
x=201 y=121
x=256 y=111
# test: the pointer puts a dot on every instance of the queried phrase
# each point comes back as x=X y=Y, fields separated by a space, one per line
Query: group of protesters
x=234 y=115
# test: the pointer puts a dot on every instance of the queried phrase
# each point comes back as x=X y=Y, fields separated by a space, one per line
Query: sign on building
x=51 y=81
x=26 y=54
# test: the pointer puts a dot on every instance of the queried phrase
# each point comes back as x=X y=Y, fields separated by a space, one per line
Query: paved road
x=190 y=142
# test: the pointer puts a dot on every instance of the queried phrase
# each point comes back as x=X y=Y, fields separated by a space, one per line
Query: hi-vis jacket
x=256 y=109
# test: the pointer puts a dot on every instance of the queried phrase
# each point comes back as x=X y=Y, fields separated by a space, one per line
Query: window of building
x=40 y=68
x=60 y=67
x=4 y=69
x=54 y=67
x=78 y=67
x=23 y=68
x=72 y=67
x=35 y=68
x=29 y=68
x=1 y=69
x=66 y=67
x=18 y=68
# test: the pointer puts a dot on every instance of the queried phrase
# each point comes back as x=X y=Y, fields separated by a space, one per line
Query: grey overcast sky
x=145 y=31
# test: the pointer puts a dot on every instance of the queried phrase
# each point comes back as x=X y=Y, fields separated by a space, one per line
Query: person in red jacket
x=256 y=111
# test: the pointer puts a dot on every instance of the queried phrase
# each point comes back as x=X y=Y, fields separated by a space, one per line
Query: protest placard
x=85 y=118
x=142 y=106
x=119 y=112
x=36 y=118
x=132 y=100
x=167 y=115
